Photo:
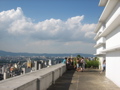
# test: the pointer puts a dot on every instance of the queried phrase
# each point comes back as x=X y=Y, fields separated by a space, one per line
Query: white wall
x=99 y=49
x=100 y=30
x=113 y=66
x=28 y=86
x=114 y=13
x=101 y=40
x=113 y=58
x=45 y=81
x=113 y=39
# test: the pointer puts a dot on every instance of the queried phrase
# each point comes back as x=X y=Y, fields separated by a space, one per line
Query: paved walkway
x=87 y=80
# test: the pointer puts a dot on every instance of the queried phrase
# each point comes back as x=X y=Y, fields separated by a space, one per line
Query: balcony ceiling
x=102 y=2
x=111 y=27
x=109 y=6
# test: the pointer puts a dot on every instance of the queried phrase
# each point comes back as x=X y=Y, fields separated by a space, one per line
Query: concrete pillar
x=39 y=66
x=3 y=69
x=41 y=63
x=24 y=71
x=54 y=62
x=35 y=64
x=47 y=63
x=5 y=75
x=60 y=69
x=50 y=63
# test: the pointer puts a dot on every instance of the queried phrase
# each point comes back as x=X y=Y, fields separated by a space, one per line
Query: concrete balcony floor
x=90 y=79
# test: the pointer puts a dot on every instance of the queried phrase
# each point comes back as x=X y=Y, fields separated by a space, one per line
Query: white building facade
x=108 y=38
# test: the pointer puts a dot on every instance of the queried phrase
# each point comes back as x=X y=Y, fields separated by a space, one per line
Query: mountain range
x=4 y=53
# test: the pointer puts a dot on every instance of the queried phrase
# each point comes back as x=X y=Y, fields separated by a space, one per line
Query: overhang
x=111 y=27
x=98 y=26
x=108 y=9
x=111 y=49
x=102 y=2
x=109 y=6
x=98 y=45
x=100 y=54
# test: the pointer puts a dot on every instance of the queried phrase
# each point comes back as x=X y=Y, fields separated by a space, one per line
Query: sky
x=48 y=26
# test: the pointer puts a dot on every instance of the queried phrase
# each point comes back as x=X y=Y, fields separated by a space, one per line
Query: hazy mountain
x=4 y=53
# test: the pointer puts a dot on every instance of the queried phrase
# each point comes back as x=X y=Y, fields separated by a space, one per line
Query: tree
x=96 y=58
x=78 y=56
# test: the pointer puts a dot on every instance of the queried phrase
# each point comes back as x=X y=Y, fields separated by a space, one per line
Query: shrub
x=93 y=63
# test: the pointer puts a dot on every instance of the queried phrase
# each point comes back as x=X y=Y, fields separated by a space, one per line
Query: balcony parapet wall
x=37 y=80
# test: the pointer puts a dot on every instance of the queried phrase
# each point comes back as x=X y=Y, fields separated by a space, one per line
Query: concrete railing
x=37 y=80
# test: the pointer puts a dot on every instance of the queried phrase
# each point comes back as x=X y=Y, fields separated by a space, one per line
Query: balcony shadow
x=63 y=83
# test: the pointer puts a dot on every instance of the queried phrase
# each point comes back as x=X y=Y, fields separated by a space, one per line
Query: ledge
x=111 y=49
x=107 y=10
x=111 y=27
x=97 y=45
x=97 y=27
x=109 y=7
x=100 y=54
x=97 y=36
x=102 y=2
x=37 y=80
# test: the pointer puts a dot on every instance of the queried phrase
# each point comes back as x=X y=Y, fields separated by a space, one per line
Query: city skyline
x=48 y=26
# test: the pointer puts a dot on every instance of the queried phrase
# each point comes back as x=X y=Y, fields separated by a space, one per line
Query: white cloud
x=89 y=34
x=14 y=24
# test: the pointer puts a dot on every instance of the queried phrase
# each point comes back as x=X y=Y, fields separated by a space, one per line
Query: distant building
x=108 y=38
x=29 y=63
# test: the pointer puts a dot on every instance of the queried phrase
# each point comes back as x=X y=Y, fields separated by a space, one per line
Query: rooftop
x=90 y=79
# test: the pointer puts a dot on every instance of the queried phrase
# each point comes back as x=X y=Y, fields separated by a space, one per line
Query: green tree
x=96 y=58
x=78 y=56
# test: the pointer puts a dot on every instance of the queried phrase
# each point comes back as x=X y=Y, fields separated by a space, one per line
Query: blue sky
x=48 y=26
x=58 y=9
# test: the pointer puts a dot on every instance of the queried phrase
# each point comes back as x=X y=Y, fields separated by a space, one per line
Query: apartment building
x=108 y=38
